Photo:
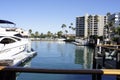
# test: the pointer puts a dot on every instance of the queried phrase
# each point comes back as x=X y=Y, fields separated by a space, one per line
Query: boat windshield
x=18 y=35
x=17 y=38
x=1 y=36
x=7 y=41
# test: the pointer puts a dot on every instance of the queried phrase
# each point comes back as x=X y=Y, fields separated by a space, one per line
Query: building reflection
x=83 y=56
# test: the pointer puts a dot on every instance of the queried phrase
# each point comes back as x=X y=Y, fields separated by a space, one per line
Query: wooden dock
x=107 y=57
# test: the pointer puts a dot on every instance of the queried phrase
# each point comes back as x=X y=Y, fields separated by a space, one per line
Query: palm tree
x=66 y=31
x=63 y=26
x=59 y=33
x=36 y=34
x=110 y=23
x=96 y=18
x=71 y=24
x=108 y=14
x=49 y=34
x=110 y=27
x=73 y=29
x=89 y=18
x=117 y=30
x=89 y=25
x=70 y=27
x=30 y=32
x=32 y=35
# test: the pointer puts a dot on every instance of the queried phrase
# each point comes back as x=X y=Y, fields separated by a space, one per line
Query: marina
x=53 y=55
x=59 y=40
x=58 y=55
x=58 y=59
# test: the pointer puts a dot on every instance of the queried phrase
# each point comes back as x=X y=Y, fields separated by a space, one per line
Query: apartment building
x=113 y=22
x=90 y=25
x=115 y=19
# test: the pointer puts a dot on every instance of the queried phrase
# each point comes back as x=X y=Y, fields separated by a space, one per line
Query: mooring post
x=118 y=63
x=94 y=60
x=99 y=76
x=5 y=75
x=103 y=58
x=94 y=63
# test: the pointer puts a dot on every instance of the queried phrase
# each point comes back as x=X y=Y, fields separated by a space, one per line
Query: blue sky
x=49 y=15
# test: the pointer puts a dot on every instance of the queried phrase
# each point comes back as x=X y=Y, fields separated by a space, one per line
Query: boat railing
x=9 y=73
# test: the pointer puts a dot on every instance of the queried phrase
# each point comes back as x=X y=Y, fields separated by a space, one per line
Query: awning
x=6 y=22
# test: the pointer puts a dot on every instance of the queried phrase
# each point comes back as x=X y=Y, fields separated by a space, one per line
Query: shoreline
x=46 y=39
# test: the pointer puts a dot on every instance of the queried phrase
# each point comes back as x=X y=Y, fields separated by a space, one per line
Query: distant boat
x=12 y=44
x=81 y=42
x=60 y=39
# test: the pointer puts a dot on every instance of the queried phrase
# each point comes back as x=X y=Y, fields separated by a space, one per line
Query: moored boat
x=14 y=45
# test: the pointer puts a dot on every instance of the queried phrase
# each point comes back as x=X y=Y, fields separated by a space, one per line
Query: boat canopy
x=5 y=21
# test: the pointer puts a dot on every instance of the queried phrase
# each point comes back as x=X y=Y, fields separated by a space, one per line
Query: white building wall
x=86 y=26
x=99 y=28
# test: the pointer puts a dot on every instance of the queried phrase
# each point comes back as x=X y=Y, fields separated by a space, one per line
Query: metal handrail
x=61 y=71
x=9 y=73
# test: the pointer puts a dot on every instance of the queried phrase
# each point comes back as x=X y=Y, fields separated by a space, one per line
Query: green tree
x=30 y=32
x=49 y=34
x=42 y=35
x=63 y=27
x=69 y=29
x=36 y=34
x=110 y=29
x=89 y=25
x=117 y=30
x=71 y=26
x=96 y=18
x=32 y=35
x=59 y=33
x=66 y=31
x=73 y=29
x=108 y=14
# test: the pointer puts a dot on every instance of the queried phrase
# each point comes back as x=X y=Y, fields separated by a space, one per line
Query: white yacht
x=14 y=47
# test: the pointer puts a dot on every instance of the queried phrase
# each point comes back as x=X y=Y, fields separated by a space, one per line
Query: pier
x=107 y=57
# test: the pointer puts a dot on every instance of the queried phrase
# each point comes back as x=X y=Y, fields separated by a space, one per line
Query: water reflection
x=83 y=55
x=59 y=55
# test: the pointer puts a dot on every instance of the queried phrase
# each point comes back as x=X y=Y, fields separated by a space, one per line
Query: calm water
x=59 y=55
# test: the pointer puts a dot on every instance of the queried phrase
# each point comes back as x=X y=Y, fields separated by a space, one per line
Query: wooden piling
x=94 y=77
x=118 y=64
